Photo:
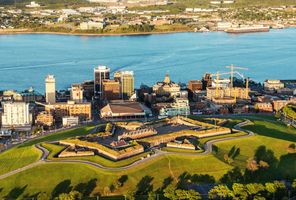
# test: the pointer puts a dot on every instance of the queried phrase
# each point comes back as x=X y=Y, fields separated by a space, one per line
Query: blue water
x=25 y=60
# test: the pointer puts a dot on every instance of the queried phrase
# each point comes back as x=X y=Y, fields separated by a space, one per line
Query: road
x=207 y=147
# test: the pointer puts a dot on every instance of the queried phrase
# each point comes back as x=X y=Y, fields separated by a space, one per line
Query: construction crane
x=218 y=74
x=232 y=68
x=232 y=72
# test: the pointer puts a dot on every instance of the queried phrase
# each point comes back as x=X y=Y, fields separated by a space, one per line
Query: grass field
x=54 y=149
x=26 y=153
x=274 y=136
x=18 y=157
x=49 y=176
x=171 y=149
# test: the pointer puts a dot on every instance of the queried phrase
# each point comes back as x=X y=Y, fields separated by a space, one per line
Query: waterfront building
x=111 y=90
x=70 y=108
x=167 y=88
x=100 y=73
x=92 y=25
x=179 y=107
x=16 y=114
x=273 y=85
x=33 y=4
x=76 y=93
x=50 y=90
x=44 y=119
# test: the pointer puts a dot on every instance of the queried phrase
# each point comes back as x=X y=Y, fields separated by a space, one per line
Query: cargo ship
x=247 y=29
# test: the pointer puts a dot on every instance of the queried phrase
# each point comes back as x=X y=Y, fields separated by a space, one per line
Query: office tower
x=117 y=76
x=127 y=84
x=50 y=91
x=100 y=73
x=194 y=85
x=16 y=114
x=111 y=89
x=77 y=93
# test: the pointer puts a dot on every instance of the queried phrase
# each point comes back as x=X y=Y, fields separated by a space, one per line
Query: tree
x=232 y=176
x=43 y=196
x=73 y=195
x=130 y=195
x=270 y=188
x=239 y=191
x=220 y=191
x=151 y=195
x=187 y=195
x=169 y=191
x=294 y=184
x=254 y=188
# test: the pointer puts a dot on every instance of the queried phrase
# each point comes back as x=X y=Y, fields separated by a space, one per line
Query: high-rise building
x=127 y=84
x=77 y=93
x=100 y=73
x=194 y=85
x=16 y=114
x=111 y=89
x=206 y=81
x=50 y=91
x=88 y=89
x=117 y=76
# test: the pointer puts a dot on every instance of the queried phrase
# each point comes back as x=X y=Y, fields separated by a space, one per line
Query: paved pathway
x=207 y=147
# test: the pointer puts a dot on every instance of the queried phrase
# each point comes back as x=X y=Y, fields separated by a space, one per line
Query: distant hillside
x=45 y=2
x=179 y=3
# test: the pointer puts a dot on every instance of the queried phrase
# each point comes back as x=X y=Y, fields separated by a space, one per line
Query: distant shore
x=27 y=31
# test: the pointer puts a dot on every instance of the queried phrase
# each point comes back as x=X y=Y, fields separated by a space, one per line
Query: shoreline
x=29 y=32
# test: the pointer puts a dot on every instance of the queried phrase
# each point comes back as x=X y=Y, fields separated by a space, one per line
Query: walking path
x=207 y=147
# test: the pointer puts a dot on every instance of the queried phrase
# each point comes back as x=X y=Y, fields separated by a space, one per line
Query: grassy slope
x=274 y=136
x=33 y=179
x=18 y=157
x=26 y=153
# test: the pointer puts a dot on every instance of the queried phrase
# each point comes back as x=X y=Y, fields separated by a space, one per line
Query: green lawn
x=202 y=141
x=61 y=135
x=172 y=149
x=48 y=177
x=17 y=157
x=274 y=136
x=54 y=149
x=26 y=153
